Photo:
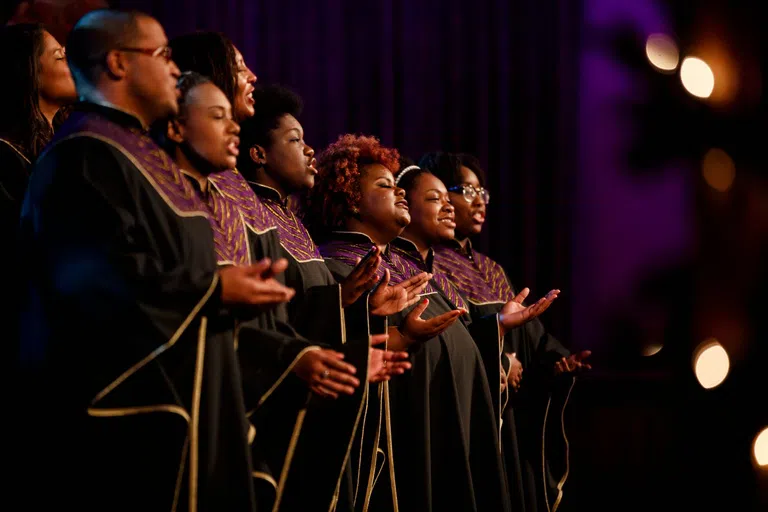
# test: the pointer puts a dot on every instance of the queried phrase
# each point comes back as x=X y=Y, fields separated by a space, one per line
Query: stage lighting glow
x=652 y=349
x=711 y=364
x=760 y=448
x=697 y=77
x=662 y=52
x=718 y=169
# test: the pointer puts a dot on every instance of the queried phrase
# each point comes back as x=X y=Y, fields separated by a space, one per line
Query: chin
x=230 y=163
x=404 y=219
x=474 y=229
x=446 y=234
x=308 y=184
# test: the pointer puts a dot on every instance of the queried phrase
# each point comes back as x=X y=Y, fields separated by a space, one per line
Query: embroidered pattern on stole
x=481 y=279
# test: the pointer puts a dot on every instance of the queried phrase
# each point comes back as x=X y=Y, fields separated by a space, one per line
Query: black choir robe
x=534 y=443
x=133 y=397
x=445 y=431
x=14 y=175
x=313 y=475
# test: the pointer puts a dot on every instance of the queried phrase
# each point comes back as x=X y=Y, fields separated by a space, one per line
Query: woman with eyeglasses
x=549 y=366
x=445 y=430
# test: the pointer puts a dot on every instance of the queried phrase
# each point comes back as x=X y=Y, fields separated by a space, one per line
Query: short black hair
x=187 y=81
x=472 y=163
x=406 y=178
x=271 y=103
x=447 y=166
x=95 y=35
x=210 y=54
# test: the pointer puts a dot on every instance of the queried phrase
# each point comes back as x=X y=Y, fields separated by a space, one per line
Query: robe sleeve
x=357 y=317
x=319 y=314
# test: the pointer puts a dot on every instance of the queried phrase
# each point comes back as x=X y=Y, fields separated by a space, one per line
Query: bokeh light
x=718 y=169
x=697 y=77
x=760 y=448
x=662 y=52
x=711 y=364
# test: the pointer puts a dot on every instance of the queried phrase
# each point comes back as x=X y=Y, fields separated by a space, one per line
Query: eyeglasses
x=470 y=193
x=162 y=51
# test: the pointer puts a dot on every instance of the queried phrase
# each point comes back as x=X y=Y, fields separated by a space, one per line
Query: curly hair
x=337 y=186
x=271 y=103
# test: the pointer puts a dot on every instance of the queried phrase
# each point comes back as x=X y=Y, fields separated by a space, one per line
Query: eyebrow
x=435 y=190
x=389 y=180
x=218 y=107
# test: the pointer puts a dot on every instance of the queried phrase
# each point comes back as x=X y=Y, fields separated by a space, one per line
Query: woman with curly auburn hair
x=336 y=194
x=445 y=448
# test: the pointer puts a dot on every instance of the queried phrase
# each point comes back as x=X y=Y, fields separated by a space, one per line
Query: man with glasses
x=136 y=399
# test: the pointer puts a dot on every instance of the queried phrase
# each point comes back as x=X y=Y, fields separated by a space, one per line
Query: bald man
x=137 y=401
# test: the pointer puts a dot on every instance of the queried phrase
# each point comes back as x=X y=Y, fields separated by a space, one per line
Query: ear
x=258 y=155
x=116 y=64
x=175 y=131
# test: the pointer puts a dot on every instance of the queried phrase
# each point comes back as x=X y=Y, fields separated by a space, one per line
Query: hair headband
x=404 y=171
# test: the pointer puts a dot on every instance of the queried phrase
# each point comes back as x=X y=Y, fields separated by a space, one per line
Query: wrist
x=502 y=328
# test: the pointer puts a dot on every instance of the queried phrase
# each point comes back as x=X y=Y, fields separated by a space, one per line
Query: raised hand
x=388 y=300
x=326 y=373
x=247 y=285
x=361 y=279
x=383 y=364
x=415 y=329
x=515 y=313
x=573 y=363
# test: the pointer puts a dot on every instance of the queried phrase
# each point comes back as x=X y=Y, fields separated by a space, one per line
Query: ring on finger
x=325 y=374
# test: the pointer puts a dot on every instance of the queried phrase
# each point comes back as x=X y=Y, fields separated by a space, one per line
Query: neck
x=380 y=239
x=191 y=166
x=263 y=178
x=114 y=98
x=48 y=109
x=421 y=245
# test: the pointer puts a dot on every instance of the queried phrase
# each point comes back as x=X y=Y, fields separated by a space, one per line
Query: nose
x=399 y=192
x=309 y=151
x=175 y=72
x=448 y=207
x=252 y=78
x=234 y=128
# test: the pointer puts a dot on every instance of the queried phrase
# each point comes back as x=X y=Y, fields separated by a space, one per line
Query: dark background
x=594 y=167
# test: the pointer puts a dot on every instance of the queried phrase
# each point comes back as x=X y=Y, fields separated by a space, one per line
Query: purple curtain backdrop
x=491 y=77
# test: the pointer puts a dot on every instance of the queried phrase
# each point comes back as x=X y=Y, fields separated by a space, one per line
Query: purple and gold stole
x=170 y=183
x=401 y=262
x=294 y=236
x=481 y=279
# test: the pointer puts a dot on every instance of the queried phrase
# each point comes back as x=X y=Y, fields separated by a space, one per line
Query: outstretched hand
x=573 y=363
x=361 y=279
x=388 y=300
x=415 y=329
x=383 y=363
x=254 y=285
x=515 y=313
